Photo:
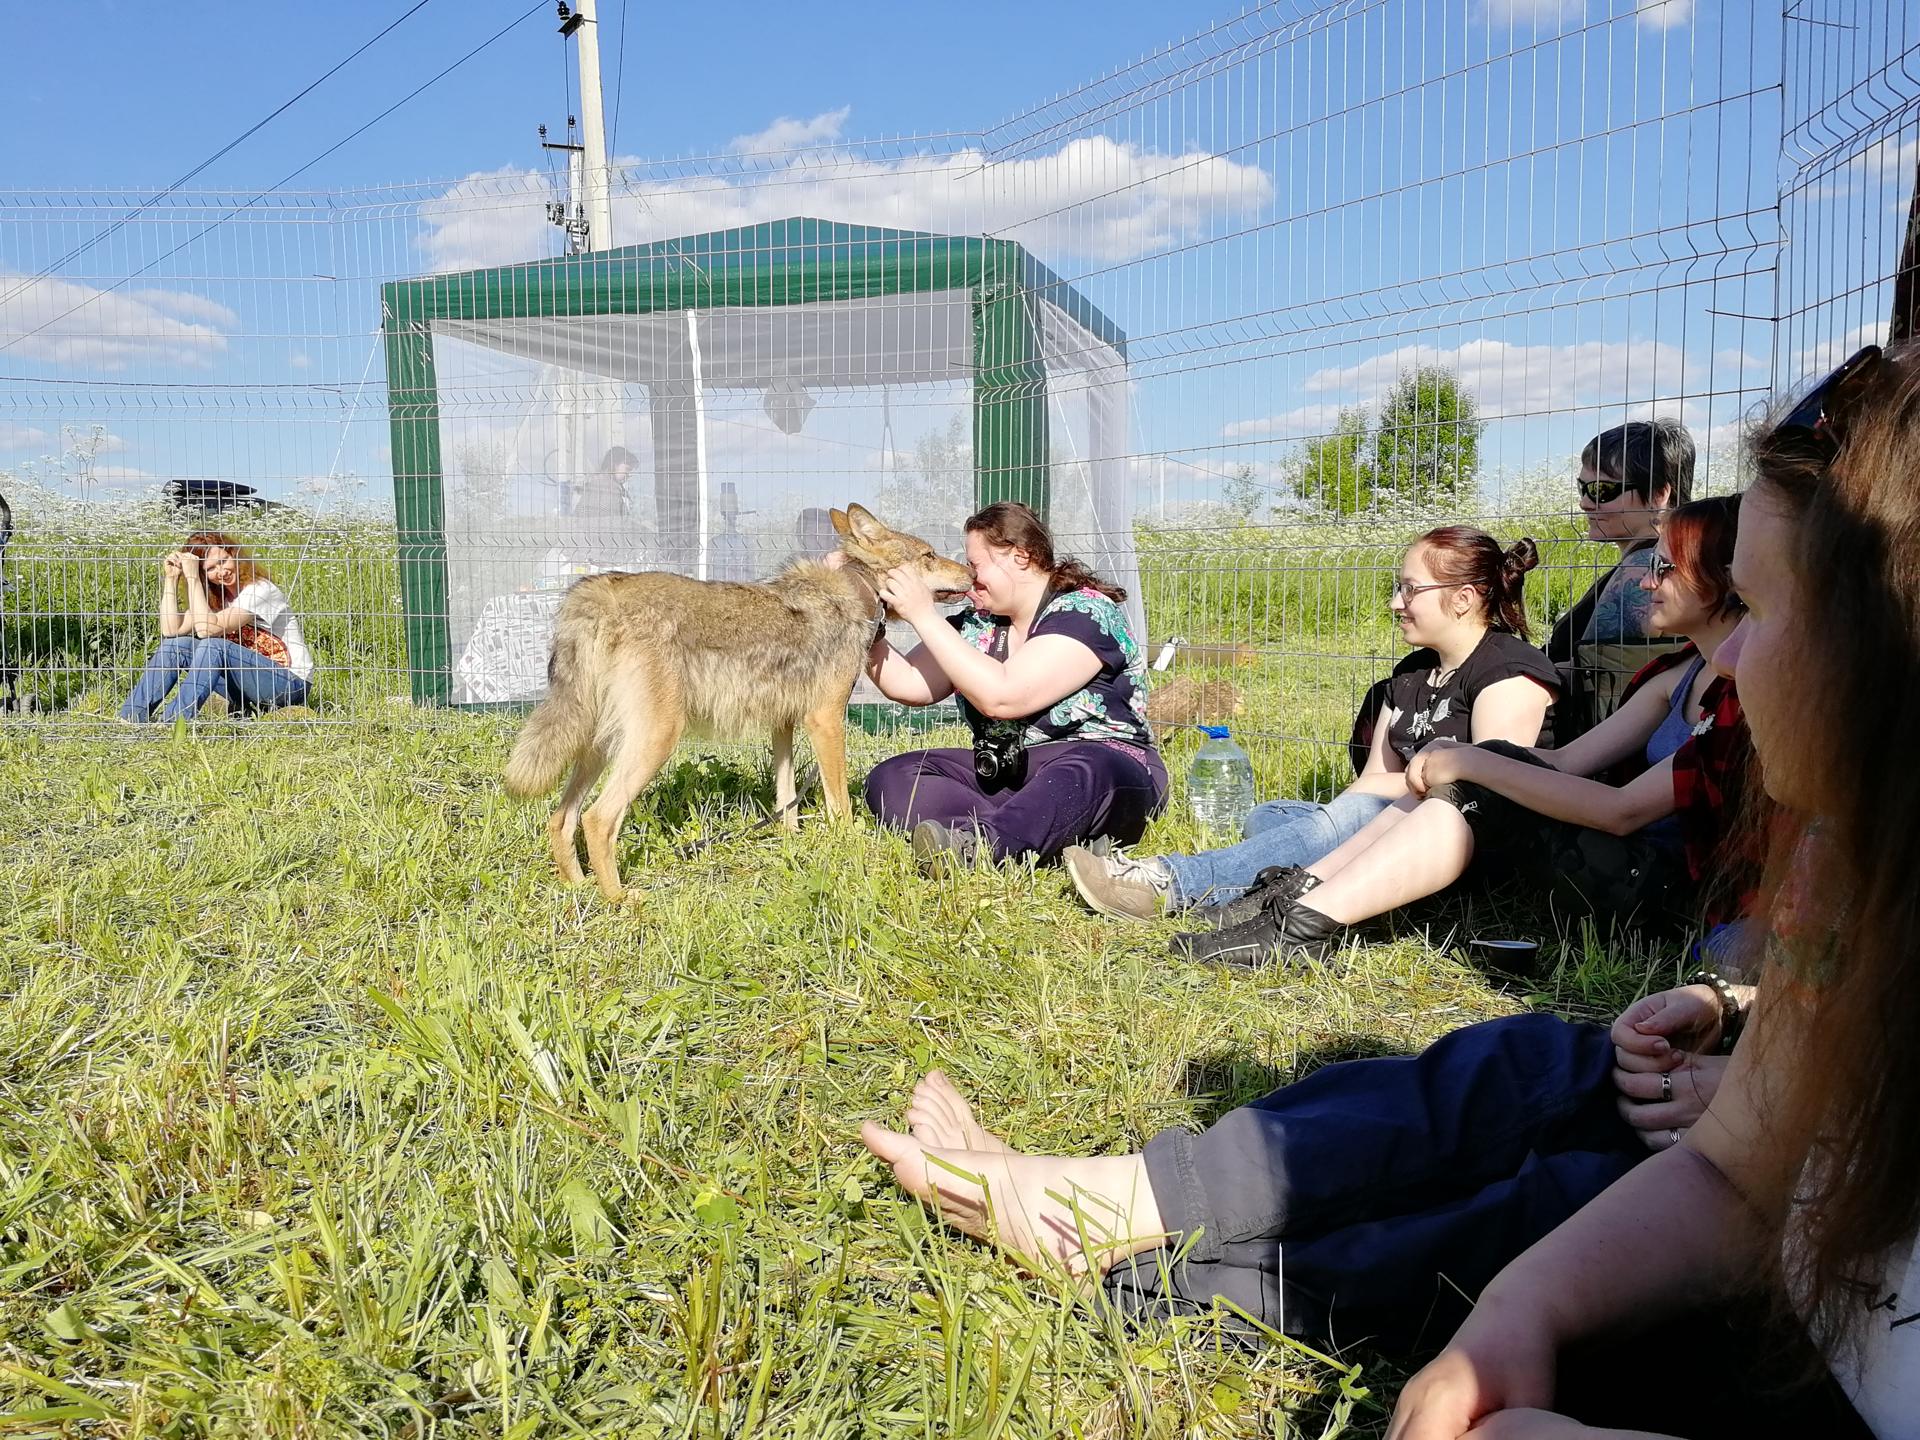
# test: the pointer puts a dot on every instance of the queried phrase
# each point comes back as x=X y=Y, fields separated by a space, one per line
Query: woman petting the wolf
x=1050 y=680
x=1461 y=599
x=236 y=636
x=1620 y=850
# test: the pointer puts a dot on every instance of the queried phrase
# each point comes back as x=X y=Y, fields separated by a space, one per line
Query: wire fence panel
x=1244 y=317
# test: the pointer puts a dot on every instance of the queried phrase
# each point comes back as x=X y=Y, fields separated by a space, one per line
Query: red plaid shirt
x=1709 y=779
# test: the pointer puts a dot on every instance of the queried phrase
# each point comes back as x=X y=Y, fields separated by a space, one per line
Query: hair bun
x=1520 y=557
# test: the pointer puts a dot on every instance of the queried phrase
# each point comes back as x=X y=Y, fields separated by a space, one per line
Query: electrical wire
x=619 y=85
x=224 y=150
x=282 y=182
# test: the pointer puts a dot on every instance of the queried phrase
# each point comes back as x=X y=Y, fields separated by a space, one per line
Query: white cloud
x=787 y=133
x=1810 y=362
x=1294 y=424
x=1095 y=197
x=1650 y=14
x=1888 y=163
x=73 y=324
x=1664 y=14
x=1508 y=380
x=1734 y=361
x=14 y=436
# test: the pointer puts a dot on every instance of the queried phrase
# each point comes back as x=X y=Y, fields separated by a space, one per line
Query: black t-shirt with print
x=1424 y=710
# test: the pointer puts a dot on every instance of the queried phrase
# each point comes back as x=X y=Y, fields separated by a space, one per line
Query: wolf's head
x=865 y=539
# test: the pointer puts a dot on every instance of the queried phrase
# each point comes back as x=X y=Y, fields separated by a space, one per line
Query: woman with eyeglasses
x=1618 y=850
x=1460 y=600
x=1774 y=1254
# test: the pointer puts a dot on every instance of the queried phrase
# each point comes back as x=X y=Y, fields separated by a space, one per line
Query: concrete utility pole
x=580 y=22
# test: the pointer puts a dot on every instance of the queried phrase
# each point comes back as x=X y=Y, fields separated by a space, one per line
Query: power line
x=281 y=182
x=619 y=84
x=232 y=144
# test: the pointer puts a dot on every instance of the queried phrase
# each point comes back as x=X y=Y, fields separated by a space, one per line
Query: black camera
x=1000 y=753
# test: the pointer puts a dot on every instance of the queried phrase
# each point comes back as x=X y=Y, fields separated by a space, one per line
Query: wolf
x=639 y=659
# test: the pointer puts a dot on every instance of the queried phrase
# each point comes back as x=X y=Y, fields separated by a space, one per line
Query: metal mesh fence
x=1349 y=268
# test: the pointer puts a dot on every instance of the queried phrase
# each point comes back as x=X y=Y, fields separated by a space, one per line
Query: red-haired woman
x=236 y=636
x=1460 y=599
x=1510 y=811
x=1049 y=677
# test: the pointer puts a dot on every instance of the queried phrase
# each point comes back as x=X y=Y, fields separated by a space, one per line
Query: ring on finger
x=1673 y=1137
x=1666 y=1088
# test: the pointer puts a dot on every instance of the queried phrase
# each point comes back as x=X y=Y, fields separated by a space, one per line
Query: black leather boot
x=1277 y=885
x=1290 y=932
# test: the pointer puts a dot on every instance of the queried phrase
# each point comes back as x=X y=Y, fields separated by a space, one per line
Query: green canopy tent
x=626 y=409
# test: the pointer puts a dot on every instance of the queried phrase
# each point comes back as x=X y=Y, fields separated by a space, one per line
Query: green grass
x=325 y=1111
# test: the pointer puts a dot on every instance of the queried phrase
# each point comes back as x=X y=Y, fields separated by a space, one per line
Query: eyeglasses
x=1601 y=491
x=1403 y=591
x=1822 y=407
x=1660 y=567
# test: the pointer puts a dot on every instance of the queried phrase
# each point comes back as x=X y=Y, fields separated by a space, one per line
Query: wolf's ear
x=863 y=524
x=841 y=525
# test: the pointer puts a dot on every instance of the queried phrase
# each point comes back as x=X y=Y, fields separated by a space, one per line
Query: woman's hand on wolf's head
x=908 y=595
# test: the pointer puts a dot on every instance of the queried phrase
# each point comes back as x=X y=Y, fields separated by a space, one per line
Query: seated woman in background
x=236 y=636
x=1049 y=678
x=1462 y=600
x=1511 y=811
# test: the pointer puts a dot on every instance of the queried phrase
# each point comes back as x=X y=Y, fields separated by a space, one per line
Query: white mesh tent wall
x=628 y=409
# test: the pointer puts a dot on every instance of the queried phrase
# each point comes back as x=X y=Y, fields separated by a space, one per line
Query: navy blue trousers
x=1375 y=1198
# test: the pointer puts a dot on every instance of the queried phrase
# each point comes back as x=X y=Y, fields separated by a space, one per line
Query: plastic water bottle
x=1220 y=785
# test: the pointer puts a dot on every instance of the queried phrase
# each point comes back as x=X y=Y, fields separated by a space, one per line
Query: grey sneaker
x=936 y=845
x=1116 y=884
x=1277 y=885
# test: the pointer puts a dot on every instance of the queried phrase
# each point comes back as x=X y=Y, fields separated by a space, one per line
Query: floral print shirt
x=1108 y=706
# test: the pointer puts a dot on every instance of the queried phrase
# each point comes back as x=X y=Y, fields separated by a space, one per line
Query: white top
x=1883 y=1378
x=267 y=603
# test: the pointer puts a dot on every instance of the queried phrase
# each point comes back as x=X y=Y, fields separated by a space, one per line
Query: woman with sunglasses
x=1460 y=599
x=1795 y=1202
x=1629 y=477
x=1507 y=812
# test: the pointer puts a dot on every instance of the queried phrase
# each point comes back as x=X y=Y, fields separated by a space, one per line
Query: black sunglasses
x=1659 y=567
x=1823 y=407
x=1601 y=491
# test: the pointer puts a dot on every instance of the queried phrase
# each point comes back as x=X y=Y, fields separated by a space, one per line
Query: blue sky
x=1553 y=197
x=160 y=86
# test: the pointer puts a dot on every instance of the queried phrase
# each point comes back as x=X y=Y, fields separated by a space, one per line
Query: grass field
x=324 y=1111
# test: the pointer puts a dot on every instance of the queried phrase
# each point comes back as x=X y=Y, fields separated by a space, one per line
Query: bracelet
x=1732 y=1018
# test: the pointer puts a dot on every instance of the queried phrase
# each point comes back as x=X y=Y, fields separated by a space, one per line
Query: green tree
x=1334 y=471
x=1243 y=494
x=1426 y=446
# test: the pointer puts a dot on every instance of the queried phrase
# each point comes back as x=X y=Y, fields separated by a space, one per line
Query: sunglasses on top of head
x=1822 y=409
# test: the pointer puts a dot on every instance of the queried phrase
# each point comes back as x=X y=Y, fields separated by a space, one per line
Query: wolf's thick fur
x=638 y=659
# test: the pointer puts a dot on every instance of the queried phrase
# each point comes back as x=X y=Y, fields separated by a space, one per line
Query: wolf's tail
x=561 y=725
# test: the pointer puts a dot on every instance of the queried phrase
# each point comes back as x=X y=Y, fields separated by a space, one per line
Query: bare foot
x=940 y=1116
x=1048 y=1212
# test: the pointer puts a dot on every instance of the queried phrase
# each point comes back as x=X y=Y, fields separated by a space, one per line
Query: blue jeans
x=1280 y=832
x=1374 y=1198
x=246 y=679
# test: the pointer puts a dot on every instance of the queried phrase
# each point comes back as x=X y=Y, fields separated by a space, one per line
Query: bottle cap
x=1215 y=732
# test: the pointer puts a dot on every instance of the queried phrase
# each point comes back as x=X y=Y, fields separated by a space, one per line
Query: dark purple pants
x=1075 y=791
